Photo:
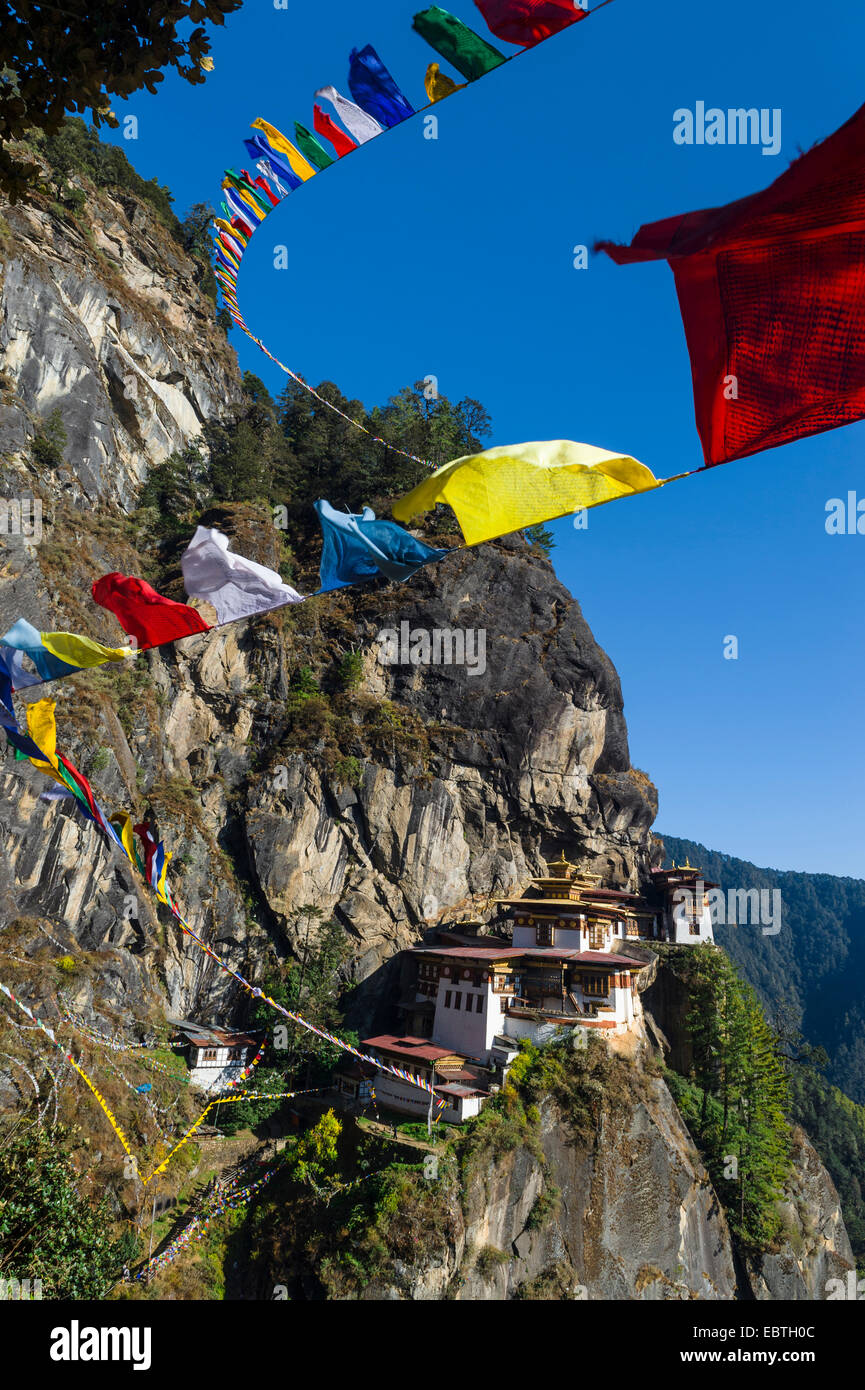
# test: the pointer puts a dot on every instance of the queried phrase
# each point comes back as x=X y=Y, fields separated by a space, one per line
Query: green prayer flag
x=458 y=45
x=310 y=147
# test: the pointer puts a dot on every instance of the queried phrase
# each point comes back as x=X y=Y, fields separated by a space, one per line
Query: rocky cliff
x=413 y=797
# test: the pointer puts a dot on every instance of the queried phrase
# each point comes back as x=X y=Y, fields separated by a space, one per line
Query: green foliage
x=67 y=965
x=47 y=1230
x=248 y=1114
x=245 y=453
x=836 y=1127
x=540 y=538
x=74 y=149
x=488 y=1260
x=348 y=772
x=313 y=1158
x=174 y=492
x=302 y=688
x=350 y=670
x=100 y=760
x=737 y=1100
x=98 y=50
x=398 y=1215
x=545 y=1208
x=49 y=441
x=310 y=985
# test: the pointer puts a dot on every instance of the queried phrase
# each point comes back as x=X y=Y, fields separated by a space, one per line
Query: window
x=596 y=985
x=476 y=979
x=544 y=933
x=447 y=998
x=209 y=1054
x=457 y=1000
x=479 y=1003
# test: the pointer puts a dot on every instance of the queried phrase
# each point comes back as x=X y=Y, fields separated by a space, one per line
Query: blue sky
x=454 y=257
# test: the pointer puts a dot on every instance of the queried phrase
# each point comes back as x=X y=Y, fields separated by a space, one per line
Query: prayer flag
x=326 y=126
x=312 y=148
x=458 y=45
x=772 y=294
x=359 y=547
x=143 y=613
x=235 y=586
x=374 y=89
x=528 y=22
x=354 y=118
x=518 y=485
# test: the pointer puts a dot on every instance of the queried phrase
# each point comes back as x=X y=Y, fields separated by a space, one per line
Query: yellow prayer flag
x=301 y=166
x=517 y=485
x=122 y=823
x=438 y=85
x=82 y=651
x=42 y=728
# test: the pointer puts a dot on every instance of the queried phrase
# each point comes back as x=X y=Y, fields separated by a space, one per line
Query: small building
x=684 y=904
x=215 y=1056
x=459 y=1085
x=355 y=1082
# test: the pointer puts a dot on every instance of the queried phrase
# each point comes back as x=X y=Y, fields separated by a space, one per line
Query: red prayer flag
x=262 y=187
x=772 y=294
x=527 y=22
x=341 y=142
x=143 y=613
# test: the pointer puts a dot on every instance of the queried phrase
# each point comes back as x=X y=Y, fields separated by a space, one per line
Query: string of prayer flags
x=457 y=43
x=772 y=294
x=374 y=89
x=67 y=1057
x=360 y=547
x=326 y=126
x=143 y=613
x=236 y=587
x=155 y=859
x=157 y=869
x=527 y=22
x=517 y=485
x=360 y=126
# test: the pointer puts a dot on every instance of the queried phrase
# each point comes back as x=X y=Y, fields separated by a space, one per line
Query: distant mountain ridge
x=817 y=960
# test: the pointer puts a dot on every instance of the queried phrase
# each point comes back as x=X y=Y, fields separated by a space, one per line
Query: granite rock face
x=637 y=1218
x=815 y=1247
x=109 y=329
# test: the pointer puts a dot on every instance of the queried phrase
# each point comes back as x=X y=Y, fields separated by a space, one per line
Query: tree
x=77 y=55
x=47 y=1230
x=742 y=1093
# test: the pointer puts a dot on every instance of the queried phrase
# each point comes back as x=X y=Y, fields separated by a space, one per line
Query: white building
x=684 y=901
x=215 y=1056
x=454 y=1082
